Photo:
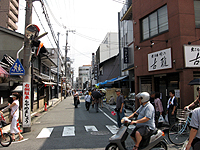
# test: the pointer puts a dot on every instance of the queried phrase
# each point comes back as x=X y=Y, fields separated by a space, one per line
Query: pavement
x=53 y=102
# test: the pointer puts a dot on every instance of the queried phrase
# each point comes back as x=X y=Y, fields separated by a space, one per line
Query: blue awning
x=121 y=78
x=106 y=82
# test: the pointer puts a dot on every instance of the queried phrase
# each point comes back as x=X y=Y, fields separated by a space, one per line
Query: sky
x=91 y=19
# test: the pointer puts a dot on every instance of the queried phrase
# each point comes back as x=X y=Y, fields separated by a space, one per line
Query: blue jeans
x=119 y=117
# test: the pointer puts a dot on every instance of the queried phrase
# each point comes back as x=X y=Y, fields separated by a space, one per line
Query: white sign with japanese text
x=192 y=57
x=160 y=60
x=26 y=104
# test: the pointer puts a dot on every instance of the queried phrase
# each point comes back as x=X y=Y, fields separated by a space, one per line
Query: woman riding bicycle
x=196 y=102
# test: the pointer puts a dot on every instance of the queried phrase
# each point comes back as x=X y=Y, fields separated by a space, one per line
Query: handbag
x=11 y=116
x=161 y=119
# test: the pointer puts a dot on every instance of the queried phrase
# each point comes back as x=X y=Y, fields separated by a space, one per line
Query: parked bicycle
x=5 y=138
x=179 y=132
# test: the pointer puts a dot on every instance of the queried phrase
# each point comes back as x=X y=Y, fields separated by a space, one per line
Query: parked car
x=80 y=92
x=130 y=102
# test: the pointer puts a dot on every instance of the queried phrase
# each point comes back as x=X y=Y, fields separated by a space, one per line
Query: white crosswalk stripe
x=45 y=133
x=90 y=128
x=113 y=128
x=69 y=131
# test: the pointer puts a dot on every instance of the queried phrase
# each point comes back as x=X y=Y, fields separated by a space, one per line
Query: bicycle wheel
x=178 y=133
x=5 y=139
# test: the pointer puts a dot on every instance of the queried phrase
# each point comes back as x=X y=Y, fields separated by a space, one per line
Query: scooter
x=154 y=142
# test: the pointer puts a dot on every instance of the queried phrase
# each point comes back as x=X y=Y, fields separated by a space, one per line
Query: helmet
x=144 y=96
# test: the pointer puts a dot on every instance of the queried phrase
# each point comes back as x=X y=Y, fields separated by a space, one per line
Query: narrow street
x=64 y=127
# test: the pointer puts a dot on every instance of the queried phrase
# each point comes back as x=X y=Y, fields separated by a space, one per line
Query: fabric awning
x=129 y=68
x=3 y=73
x=49 y=83
x=121 y=78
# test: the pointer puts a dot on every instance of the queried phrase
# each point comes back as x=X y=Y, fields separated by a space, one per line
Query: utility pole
x=58 y=68
x=66 y=50
x=27 y=67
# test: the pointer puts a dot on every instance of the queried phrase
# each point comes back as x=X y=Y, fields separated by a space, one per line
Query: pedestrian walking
x=96 y=96
x=158 y=109
x=14 y=116
x=172 y=108
x=87 y=101
x=196 y=102
x=101 y=99
x=152 y=98
x=76 y=99
x=119 y=107
x=194 y=138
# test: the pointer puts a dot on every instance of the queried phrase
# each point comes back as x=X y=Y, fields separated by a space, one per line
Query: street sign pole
x=27 y=77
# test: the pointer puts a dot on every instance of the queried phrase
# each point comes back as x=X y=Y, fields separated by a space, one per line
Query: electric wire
x=50 y=26
x=42 y=25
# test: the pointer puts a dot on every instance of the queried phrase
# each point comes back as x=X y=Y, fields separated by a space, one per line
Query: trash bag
x=161 y=119
x=166 y=118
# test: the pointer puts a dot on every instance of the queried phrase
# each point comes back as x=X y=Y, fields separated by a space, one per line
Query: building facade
x=84 y=77
x=9 y=10
x=162 y=31
x=126 y=45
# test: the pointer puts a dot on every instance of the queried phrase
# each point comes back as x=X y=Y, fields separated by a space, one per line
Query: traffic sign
x=17 y=68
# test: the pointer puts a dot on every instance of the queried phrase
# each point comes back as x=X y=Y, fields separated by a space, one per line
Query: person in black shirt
x=172 y=108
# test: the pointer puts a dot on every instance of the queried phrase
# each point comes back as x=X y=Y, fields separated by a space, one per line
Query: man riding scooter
x=145 y=123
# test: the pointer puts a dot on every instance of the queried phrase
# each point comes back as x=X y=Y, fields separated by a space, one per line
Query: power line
x=80 y=52
x=60 y=24
x=42 y=26
x=49 y=24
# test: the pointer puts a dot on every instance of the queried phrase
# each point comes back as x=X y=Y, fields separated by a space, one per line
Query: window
x=155 y=23
x=197 y=13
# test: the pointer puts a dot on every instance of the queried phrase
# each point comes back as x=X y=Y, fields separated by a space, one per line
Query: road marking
x=19 y=141
x=113 y=128
x=90 y=128
x=45 y=133
x=68 y=131
x=108 y=116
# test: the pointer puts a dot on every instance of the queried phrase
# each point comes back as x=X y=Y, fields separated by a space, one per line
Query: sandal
x=135 y=148
x=21 y=138
x=13 y=139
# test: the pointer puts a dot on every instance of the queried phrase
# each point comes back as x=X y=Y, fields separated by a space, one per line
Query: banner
x=26 y=104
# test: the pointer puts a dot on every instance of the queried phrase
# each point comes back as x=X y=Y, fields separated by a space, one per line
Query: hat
x=118 y=90
x=12 y=96
x=15 y=95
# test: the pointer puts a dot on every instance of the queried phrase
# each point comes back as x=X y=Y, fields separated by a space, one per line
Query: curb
x=6 y=129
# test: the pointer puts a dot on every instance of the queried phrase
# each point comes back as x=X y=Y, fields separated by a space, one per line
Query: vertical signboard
x=95 y=72
x=126 y=60
x=26 y=104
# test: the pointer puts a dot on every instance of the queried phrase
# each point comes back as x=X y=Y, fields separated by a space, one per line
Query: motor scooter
x=156 y=141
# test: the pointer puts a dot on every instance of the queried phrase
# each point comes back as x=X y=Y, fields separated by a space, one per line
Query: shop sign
x=159 y=60
x=26 y=104
x=95 y=72
x=192 y=57
x=126 y=60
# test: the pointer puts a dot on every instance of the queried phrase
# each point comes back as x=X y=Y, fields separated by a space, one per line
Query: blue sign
x=17 y=69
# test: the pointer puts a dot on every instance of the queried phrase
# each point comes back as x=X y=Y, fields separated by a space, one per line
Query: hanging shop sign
x=192 y=56
x=160 y=60
x=126 y=60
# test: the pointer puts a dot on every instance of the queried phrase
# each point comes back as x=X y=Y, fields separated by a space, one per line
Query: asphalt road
x=65 y=127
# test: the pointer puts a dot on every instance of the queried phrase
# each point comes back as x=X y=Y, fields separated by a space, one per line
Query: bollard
x=18 y=126
x=45 y=107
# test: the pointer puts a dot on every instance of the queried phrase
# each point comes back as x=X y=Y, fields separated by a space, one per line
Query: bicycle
x=5 y=138
x=179 y=132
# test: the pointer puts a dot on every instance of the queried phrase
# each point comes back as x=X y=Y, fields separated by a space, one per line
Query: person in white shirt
x=87 y=101
x=15 y=113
